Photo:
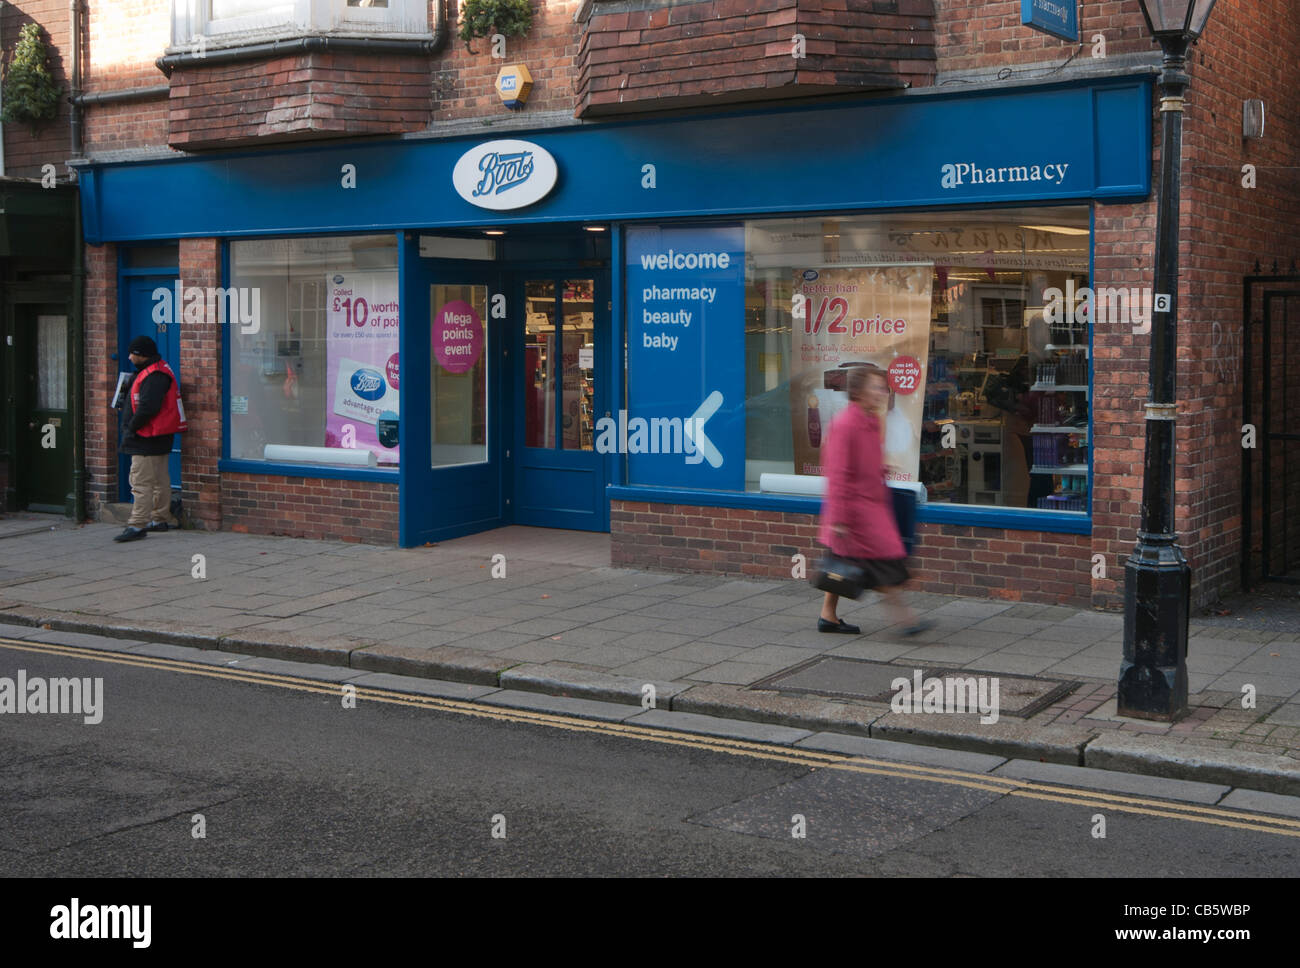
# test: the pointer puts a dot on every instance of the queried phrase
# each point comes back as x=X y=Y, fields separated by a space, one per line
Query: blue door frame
x=439 y=503
x=135 y=318
x=558 y=486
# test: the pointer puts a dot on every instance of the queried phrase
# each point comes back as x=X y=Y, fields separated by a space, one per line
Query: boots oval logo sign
x=503 y=175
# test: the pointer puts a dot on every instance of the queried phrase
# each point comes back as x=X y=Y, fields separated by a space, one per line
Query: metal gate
x=1271 y=407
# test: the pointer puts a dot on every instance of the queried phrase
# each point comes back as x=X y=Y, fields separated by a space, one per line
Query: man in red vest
x=154 y=415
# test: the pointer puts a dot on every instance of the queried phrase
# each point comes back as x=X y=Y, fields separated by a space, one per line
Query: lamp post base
x=1157 y=602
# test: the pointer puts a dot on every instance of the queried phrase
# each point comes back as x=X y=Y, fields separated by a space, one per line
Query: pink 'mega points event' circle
x=457 y=337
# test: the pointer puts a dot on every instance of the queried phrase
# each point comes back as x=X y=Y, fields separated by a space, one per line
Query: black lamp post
x=1157 y=579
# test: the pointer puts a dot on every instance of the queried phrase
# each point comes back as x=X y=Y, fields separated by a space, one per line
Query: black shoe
x=157 y=526
x=922 y=626
x=132 y=534
x=824 y=625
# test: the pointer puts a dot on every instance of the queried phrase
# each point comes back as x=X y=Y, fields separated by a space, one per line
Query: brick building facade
x=283 y=96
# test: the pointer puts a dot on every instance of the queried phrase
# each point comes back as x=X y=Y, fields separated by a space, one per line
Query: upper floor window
x=230 y=21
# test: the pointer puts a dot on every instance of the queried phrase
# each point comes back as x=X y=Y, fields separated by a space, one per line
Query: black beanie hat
x=142 y=346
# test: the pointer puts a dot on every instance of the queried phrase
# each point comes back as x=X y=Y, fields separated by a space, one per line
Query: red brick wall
x=987 y=33
x=309 y=95
x=24 y=152
x=309 y=507
x=728 y=50
x=200 y=265
x=123 y=39
x=957 y=560
x=464 y=83
x=100 y=336
x=1248 y=52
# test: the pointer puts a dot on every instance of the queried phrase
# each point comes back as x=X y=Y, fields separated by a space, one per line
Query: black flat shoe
x=841 y=626
x=922 y=626
x=132 y=534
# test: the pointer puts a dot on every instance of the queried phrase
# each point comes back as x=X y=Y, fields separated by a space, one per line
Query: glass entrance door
x=452 y=358
x=560 y=477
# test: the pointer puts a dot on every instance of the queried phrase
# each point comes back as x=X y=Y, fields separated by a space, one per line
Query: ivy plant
x=483 y=18
x=30 y=93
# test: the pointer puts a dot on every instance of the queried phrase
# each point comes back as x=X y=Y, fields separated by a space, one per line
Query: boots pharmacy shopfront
x=645 y=327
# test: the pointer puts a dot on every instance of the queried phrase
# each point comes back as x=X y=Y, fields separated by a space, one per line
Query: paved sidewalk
x=563 y=622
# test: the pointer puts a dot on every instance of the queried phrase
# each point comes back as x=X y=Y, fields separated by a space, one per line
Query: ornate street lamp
x=1157 y=579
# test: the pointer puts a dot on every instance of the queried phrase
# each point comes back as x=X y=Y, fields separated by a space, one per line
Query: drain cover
x=829 y=675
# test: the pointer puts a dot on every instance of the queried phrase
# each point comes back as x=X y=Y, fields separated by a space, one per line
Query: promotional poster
x=847 y=316
x=362 y=375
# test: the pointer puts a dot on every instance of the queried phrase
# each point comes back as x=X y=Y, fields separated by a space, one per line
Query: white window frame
x=191 y=20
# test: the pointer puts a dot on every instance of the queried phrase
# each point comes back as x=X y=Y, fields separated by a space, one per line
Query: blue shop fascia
x=520 y=329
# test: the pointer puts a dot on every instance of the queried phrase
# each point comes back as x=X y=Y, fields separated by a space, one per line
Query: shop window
x=51 y=362
x=458 y=374
x=314 y=378
x=234 y=20
x=988 y=371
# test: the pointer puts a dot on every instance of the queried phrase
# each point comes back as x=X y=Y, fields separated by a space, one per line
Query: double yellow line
x=812 y=759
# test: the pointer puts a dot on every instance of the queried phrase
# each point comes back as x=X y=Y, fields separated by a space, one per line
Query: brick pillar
x=100 y=341
x=200 y=265
x=1124 y=237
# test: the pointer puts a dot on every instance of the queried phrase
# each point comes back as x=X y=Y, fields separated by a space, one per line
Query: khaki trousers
x=151 y=490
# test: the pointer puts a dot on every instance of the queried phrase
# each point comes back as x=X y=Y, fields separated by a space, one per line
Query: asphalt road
x=290 y=782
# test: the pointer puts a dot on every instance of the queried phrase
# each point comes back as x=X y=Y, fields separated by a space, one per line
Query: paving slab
x=762 y=706
x=1094 y=779
x=714 y=726
x=562 y=705
x=903 y=752
x=1287 y=714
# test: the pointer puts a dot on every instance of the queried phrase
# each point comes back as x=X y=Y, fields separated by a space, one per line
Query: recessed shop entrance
x=1271 y=443
x=509 y=354
x=561 y=344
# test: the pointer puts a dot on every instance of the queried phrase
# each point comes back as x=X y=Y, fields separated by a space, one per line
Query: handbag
x=839 y=577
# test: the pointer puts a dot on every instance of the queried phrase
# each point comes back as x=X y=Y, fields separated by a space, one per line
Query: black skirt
x=882 y=572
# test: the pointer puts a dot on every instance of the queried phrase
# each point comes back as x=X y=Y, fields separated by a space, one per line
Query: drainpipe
x=2 y=137
x=76 y=318
x=74 y=21
x=439 y=26
x=76 y=314
x=153 y=93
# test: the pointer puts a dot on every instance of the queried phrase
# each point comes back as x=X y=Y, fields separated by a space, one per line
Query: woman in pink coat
x=858 y=512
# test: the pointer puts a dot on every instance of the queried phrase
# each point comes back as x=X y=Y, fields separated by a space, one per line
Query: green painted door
x=44 y=418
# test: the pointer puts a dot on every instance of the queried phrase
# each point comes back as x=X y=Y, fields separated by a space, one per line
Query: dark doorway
x=1271 y=406
x=137 y=303
x=43 y=408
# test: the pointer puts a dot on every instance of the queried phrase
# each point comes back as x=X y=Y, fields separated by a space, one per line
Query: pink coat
x=856 y=494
